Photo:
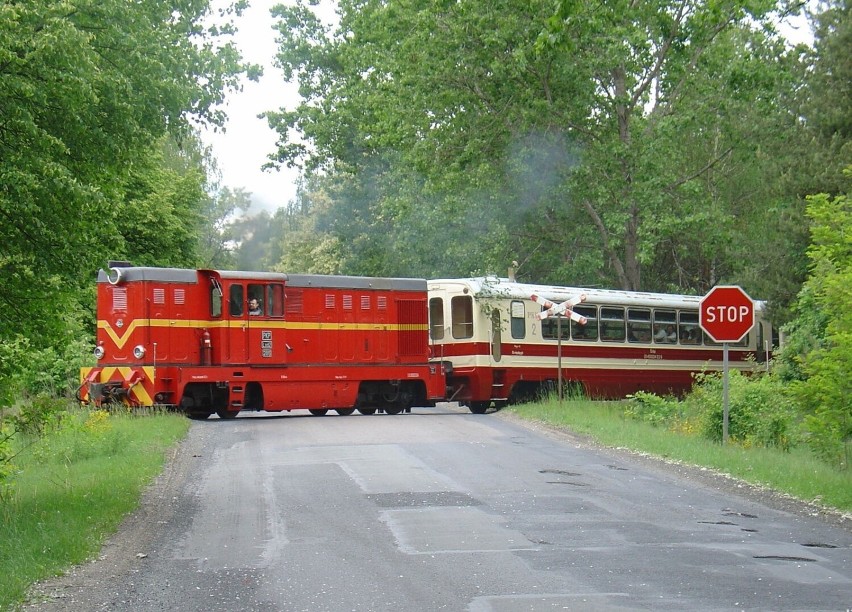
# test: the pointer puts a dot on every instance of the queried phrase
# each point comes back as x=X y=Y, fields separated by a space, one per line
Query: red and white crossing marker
x=564 y=308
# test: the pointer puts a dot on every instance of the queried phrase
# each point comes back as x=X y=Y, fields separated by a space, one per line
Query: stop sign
x=726 y=313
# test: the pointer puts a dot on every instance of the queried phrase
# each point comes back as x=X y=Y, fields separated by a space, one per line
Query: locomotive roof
x=492 y=286
x=182 y=275
x=327 y=281
x=164 y=275
x=355 y=282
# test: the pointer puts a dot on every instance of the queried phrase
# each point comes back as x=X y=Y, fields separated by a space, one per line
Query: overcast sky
x=243 y=148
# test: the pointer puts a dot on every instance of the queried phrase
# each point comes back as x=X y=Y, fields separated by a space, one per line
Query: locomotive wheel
x=393 y=409
x=479 y=407
x=344 y=411
x=199 y=415
x=318 y=411
x=367 y=410
x=227 y=414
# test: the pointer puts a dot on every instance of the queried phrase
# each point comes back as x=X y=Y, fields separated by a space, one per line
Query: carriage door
x=267 y=341
x=496 y=336
x=237 y=324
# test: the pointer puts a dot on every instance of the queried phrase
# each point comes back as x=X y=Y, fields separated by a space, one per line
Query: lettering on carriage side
x=413 y=375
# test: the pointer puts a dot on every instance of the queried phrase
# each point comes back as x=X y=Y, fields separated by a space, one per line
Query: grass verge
x=797 y=472
x=72 y=489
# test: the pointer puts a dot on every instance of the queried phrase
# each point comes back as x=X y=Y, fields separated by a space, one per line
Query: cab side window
x=215 y=300
x=236 y=300
x=275 y=300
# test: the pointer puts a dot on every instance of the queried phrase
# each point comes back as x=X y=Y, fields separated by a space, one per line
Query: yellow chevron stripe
x=139 y=391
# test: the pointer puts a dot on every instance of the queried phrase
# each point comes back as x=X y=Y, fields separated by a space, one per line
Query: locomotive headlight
x=139 y=351
x=99 y=352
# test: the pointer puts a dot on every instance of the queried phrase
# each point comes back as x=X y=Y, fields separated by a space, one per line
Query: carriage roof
x=495 y=287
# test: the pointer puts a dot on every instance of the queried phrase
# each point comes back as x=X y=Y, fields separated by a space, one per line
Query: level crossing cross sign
x=726 y=313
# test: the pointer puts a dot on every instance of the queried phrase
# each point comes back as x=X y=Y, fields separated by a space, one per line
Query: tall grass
x=796 y=472
x=72 y=488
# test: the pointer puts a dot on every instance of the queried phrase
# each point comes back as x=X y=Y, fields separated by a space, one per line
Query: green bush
x=23 y=427
x=760 y=412
x=653 y=409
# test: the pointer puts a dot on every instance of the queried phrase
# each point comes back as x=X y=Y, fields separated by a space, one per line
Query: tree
x=826 y=390
x=575 y=135
x=88 y=89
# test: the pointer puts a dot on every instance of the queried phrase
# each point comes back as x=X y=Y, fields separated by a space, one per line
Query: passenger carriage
x=632 y=341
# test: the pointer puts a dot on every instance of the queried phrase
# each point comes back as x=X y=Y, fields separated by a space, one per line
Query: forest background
x=663 y=146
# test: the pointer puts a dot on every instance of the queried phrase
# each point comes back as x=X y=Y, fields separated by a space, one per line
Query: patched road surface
x=445 y=510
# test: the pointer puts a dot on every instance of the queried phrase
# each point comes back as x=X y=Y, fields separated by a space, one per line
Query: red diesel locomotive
x=208 y=341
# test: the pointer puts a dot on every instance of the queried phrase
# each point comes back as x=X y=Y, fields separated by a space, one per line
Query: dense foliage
x=97 y=158
x=643 y=146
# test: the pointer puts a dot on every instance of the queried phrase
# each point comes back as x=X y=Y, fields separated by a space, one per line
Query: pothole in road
x=783 y=558
x=565 y=482
x=742 y=514
x=560 y=472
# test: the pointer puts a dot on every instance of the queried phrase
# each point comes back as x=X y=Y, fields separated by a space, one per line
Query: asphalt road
x=445 y=510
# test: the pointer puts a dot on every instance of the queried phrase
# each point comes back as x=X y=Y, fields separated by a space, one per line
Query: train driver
x=254 y=307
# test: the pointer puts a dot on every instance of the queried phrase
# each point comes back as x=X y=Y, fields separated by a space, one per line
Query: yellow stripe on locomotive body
x=120 y=339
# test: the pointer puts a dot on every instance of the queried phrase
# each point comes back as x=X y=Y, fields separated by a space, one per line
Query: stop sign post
x=726 y=314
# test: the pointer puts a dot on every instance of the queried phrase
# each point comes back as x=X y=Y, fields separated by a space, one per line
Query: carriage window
x=462 y=312
x=690 y=333
x=275 y=300
x=639 y=325
x=551 y=327
x=589 y=331
x=436 y=318
x=665 y=327
x=236 y=300
x=612 y=324
x=519 y=324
